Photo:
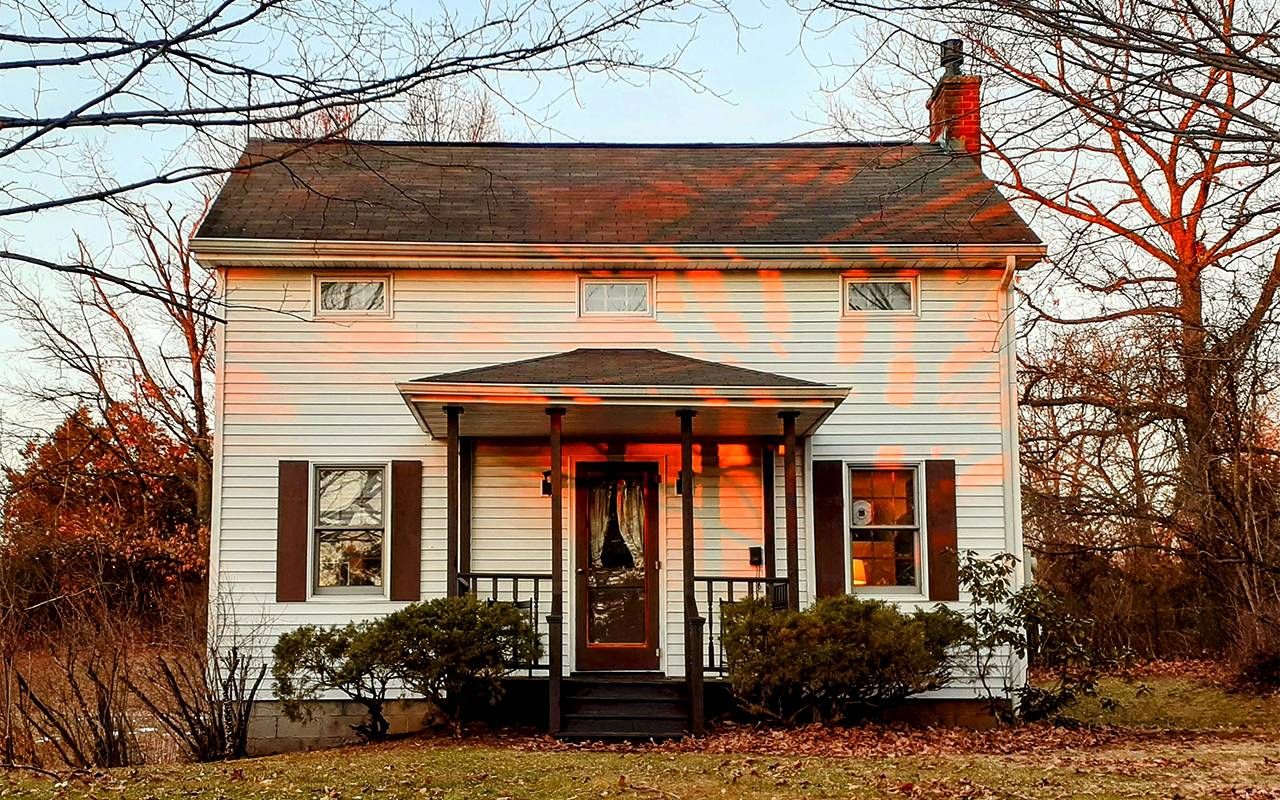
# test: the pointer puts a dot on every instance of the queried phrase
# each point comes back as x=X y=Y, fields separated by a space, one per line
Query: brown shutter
x=406 y=530
x=940 y=515
x=292 y=510
x=828 y=527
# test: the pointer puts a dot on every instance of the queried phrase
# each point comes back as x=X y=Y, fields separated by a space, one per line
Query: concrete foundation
x=270 y=731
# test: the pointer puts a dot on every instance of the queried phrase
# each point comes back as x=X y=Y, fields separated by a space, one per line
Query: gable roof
x=618 y=367
x=848 y=193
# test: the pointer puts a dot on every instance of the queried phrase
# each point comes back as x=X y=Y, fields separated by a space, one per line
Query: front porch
x=665 y=487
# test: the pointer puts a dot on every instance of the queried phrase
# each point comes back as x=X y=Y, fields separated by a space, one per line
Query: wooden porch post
x=693 y=622
x=555 y=621
x=452 y=413
x=466 y=465
x=793 y=513
x=766 y=486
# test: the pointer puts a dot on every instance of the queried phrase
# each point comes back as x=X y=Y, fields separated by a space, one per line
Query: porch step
x=619 y=707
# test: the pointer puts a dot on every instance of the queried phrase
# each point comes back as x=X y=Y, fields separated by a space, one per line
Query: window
x=350 y=528
x=879 y=296
x=365 y=297
x=884 y=528
x=630 y=297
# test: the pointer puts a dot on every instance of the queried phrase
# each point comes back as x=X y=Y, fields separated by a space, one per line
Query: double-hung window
x=350 y=529
x=884 y=528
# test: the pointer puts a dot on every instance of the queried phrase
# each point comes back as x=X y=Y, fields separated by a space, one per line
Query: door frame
x=650 y=655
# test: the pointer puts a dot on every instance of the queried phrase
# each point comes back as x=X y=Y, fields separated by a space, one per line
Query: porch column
x=466 y=466
x=452 y=413
x=555 y=621
x=766 y=486
x=793 y=513
x=693 y=622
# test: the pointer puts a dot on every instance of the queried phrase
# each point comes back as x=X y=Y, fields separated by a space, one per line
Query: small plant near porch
x=837 y=660
x=355 y=660
x=454 y=651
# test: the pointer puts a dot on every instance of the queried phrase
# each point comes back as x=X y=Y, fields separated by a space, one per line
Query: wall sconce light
x=680 y=482
x=546 y=483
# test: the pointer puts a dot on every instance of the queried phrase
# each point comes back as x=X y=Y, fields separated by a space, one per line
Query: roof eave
x=820 y=398
x=546 y=393
x=230 y=252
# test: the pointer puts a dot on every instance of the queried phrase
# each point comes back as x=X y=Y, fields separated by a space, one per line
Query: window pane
x=595 y=297
x=638 y=297
x=349 y=498
x=349 y=558
x=352 y=295
x=890 y=493
x=879 y=296
x=883 y=557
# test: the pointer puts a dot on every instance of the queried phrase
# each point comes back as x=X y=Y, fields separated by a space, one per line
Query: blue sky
x=761 y=85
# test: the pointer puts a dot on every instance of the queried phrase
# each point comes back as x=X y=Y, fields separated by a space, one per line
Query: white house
x=618 y=384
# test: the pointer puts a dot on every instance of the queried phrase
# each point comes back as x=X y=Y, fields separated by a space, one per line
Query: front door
x=617 y=558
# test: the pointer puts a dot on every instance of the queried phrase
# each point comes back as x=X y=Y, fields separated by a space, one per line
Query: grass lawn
x=1182 y=740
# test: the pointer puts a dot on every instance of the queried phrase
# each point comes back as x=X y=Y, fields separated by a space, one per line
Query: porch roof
x=618 y=391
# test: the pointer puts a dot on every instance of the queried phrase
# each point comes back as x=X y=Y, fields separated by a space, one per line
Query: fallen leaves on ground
x=866 y=741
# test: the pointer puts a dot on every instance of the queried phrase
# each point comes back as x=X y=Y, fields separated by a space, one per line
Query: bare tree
x=111 y=346
x=441 y=112
x=1140 y=137
x=200 y=75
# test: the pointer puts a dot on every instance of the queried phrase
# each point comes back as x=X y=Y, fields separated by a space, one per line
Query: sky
x=759 y=84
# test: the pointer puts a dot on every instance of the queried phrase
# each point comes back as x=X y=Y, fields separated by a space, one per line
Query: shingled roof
x=617 y=367
x=894 y=193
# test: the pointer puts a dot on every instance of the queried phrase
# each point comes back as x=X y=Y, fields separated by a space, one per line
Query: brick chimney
x=954 y=116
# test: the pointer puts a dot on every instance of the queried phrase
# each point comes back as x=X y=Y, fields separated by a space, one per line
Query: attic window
x=879 y=296
x=353 y=296
x=615 y=297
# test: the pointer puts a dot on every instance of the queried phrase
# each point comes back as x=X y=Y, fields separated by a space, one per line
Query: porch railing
x=714 y=592
x=528 y=591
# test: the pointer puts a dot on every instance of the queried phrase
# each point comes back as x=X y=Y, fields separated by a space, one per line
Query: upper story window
x=879 y=296
x=884 y=528
x=350 y=528
x=626 y=297
x=347 y=296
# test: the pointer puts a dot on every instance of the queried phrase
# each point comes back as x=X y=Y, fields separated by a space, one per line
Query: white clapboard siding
x=292 y=387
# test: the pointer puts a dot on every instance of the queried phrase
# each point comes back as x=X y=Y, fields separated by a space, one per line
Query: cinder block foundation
x=270 y=731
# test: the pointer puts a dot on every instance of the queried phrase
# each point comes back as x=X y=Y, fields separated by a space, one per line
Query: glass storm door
x=617 y=566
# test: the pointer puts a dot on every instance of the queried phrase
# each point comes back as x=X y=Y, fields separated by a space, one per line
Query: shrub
x=1259 y=666
x=1031 y=623
x=357 y=660
x=202 y=684
x=838 y=659
x=455 y=650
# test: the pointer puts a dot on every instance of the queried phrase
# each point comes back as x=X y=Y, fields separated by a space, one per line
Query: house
x=617 y=384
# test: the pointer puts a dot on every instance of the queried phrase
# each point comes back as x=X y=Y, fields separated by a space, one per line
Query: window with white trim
x=350 y=529
x=625 y=297
x=879 y=296
x=884 y=528
x=353 y=296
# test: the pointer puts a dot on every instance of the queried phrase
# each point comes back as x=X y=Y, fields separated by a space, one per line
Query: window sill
x=347 y=597
x=906 y=596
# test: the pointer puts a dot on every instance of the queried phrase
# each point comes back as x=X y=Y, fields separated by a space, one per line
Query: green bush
x=1034 y=624
x=356 y=660
x=837 y=660
x=455 y=650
